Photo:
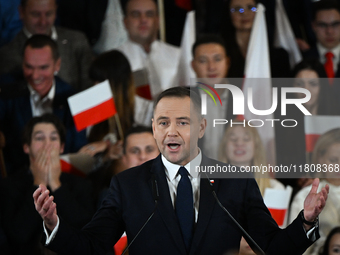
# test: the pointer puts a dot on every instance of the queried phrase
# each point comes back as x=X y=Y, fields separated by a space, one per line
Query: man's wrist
x=308 y=224
x=55 y=185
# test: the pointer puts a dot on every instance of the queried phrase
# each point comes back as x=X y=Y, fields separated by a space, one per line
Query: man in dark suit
x=43 y=141
x=195 y=225
x=41 y=92
x=38 y=17
x=326 y=26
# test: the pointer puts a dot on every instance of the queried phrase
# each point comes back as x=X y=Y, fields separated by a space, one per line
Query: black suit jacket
x=314 y=53
x=130 y=202
x=22 y=223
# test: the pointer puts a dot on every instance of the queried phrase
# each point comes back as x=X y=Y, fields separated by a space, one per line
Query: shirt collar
x=322 y=50
x=54 y=34
x=171 y=169
x=36 y=96
x=154 y=44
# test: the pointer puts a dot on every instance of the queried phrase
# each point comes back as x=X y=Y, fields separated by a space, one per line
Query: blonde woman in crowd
x=326 y=153
x=242 y=146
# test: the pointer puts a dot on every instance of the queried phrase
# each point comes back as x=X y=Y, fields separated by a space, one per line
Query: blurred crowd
x=53 y=49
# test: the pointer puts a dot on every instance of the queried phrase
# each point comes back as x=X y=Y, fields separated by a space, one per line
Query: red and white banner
x=121 y=244
x=92 y=106
x=316 y=126
x=184 y=4
x=257 y=77
x=284 y=36
x=76 y=163
x=141 y=79
x=277 y=201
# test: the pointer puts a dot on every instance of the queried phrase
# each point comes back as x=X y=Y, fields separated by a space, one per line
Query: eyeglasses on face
x=240 y=9
x=323 y=25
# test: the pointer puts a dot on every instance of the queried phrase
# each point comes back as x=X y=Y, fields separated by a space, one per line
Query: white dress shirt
x=336 y=52
x=40 y=105
x=54 y=34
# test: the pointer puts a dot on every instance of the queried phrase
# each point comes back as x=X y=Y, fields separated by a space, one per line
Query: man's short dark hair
x=135 y=130
x=208 y=38
x=40 y=41
x=47 y=118
x=124 y=4
x=24 y=3
x=181 y=92
x=324 y=5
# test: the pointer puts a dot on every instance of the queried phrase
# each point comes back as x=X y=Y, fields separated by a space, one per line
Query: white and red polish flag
x=315 y=126
x=76 y=163
x=284 y=36
x=257 y=77
x=92 y=106
x=277 y=202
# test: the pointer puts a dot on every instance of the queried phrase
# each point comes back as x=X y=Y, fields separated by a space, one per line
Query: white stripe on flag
x=321 y=124
x=257 y=67
x=90 y=98
x=284 y=36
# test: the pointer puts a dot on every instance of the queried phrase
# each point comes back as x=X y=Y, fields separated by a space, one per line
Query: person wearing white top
x=143 y=50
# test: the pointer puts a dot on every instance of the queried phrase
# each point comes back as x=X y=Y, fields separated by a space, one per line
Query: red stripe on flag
x=311 y=140
x=278 y=215
x=120 y=246
x=144 y=91
x=68 y=168
x=95 y=115
x=184 y=4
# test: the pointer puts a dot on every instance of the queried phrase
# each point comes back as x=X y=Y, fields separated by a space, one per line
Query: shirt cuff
x=49 y=238
x=311 y=234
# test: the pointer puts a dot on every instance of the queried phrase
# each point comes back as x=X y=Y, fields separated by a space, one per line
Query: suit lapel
x=206 y=207
x=24 y=108
x=165 y=207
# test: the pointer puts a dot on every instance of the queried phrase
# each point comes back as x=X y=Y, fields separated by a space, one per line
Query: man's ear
x=125 y=22
x=125 y=161
x=57 y=65
x=193 y=65
x=26 y=148
x=203 y=125
x=153 y=128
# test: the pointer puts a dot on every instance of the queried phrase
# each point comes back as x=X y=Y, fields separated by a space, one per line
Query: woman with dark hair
x=115 y=67
x=332 y=243
x=236 y=30
x=308 y=73
x=103 y=145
